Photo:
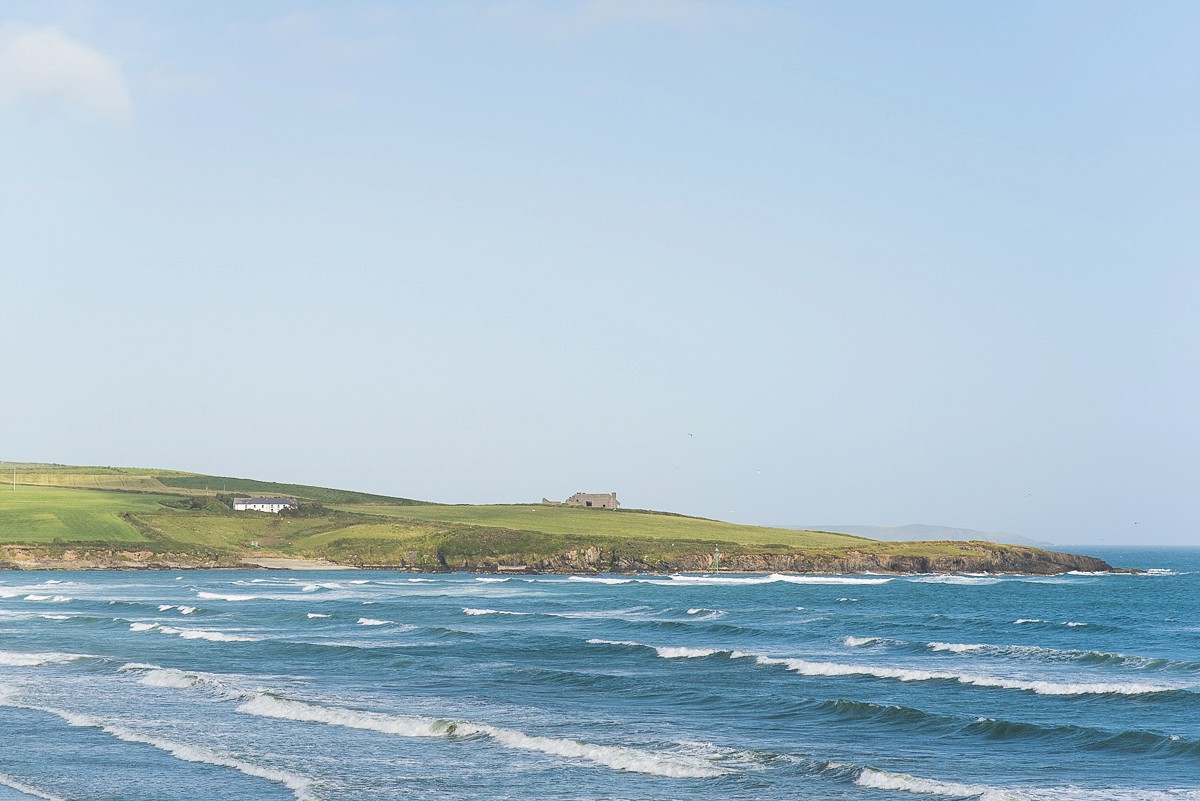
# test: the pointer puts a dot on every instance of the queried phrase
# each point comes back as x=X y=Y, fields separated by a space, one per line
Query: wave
x=807 y=668
x=859 y=642
x=903 y=782
x=183 y=610
x=220 y=596
x=957 y=580
x=370 y=621
x=193 y=634
x=299 y=785
x=1024 y=621
x=174 y=679
x=55 y=599
x=485 y=579
x=666 y=652
x=32 y=792
x=616 y=757
x=311 y=615
x=599 y=580
x=470 y=611
x=774 y=578
x=17 y=659
x=1042 y=653
x=331 y=585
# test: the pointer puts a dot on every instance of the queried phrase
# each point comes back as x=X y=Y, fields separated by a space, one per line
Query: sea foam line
x=616 y=757
x=193 y=634
x=32 y=792
x=805 y=667
x=774 y=578
x=903 y=782
x=17 y=659
x=299 y=785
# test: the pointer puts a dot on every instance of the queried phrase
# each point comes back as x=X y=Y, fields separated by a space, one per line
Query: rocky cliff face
x=972 y=558
x=981 y=558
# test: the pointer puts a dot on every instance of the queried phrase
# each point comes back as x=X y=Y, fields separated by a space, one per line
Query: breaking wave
x=193 y=634
x=903 y=782
x=807 y=668
x=17 y=659
x=616 y=757
x=299 y=785
x=22 y=787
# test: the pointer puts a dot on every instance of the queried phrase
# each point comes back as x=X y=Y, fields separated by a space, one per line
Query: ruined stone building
x=592 y=500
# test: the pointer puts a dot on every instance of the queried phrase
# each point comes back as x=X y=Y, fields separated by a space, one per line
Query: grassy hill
x=64 y=515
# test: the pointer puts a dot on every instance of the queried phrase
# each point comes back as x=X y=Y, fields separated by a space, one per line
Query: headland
x=65 y=517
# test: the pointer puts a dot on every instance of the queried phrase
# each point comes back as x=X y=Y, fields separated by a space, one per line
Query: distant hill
x=72 y=517
x=920 y=532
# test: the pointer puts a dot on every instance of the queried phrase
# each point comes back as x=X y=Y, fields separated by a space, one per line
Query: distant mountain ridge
x=922 y=531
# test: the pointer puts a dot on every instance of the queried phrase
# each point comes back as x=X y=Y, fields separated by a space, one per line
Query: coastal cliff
x=980 y=557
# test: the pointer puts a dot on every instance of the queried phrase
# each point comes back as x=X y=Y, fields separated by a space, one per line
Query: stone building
x=273 y=505
x=592 y=500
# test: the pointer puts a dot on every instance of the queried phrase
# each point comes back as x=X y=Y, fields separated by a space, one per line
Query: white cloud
x=45 y=66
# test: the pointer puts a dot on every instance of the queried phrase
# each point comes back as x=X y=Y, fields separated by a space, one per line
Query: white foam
x=807 y=668
x=174 y=679
x=957 y=647
x=1024 y=620
x=847 y=600
x=217 y=596
x=316 y=614
x=470 y=611
x=32 y=792
x=54 y=599
x=370 y=621
x=956 y=580
x=774 y=578
x=884 y=780
x=903 y=782
x=595 y=641
x=56 y=617
x=687 y=653
x=299 y=785
x=17 y=659
x=193 y=634
x=858 y=642
x=616 y=757
x=599 y=580
x=205 y=634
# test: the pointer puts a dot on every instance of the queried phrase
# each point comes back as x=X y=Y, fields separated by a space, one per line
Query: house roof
x=284 y=501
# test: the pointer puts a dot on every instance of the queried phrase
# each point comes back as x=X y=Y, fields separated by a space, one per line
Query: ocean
x=357 y=685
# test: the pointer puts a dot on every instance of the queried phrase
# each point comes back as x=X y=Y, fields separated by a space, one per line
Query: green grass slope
x=46 y=514
x=107 y=515
x=624 y=524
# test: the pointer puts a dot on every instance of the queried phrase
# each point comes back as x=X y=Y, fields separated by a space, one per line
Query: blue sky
x=783 y=263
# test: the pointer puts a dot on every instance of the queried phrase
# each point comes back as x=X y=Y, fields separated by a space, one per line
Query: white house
x=273 y=505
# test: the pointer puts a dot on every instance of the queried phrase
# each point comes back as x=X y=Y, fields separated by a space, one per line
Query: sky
x=781 y=263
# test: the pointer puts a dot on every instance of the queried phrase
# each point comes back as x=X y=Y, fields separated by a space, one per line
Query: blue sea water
x=354 y=685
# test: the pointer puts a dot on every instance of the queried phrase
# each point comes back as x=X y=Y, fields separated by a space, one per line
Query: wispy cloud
x=43 y=66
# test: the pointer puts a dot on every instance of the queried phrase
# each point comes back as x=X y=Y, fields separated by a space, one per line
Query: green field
x=566 y=520
x=46 y=514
